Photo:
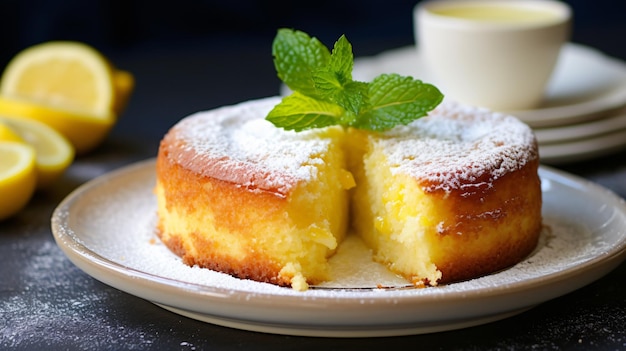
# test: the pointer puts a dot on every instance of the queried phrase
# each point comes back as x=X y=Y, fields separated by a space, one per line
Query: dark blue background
x=113 y=25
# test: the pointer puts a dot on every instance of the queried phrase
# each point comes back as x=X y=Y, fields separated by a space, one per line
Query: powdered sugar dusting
x=236 y=144
x=458 y=144
x=454 y=146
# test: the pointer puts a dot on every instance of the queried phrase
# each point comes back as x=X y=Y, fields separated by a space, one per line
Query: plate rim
x=88 y=260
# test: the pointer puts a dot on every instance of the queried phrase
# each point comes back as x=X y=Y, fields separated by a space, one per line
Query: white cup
x=498 y=54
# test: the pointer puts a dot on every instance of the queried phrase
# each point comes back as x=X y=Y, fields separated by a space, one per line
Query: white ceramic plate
x=586 y=83
x=106 y=227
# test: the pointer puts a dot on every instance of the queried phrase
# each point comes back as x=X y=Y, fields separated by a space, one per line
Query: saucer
x=586 y=84
x=595 y=129
x=582 y=141
x=584 y=149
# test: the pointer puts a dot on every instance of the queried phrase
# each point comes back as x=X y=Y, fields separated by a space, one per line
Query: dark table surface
x=47 y=303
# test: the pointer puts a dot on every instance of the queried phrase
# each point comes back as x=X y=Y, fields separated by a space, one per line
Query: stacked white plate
x=584 y=112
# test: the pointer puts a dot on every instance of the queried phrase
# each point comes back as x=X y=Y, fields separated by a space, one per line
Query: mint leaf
x=334 y=82
x=342 y=60
x=325 y=93
x=353 y=97
x=296 y=57
x=299 y=112
x=397 y=100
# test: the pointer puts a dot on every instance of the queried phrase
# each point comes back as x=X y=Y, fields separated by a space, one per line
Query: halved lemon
x=68 y=85
x=69 y=75
x=53 y=153
x=83 y=132
x=18 y=177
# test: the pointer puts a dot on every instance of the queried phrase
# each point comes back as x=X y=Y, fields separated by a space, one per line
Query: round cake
x=452 y=196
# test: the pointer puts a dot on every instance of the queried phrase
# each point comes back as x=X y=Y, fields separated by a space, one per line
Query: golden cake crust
x=234 y=216
x=491 y=228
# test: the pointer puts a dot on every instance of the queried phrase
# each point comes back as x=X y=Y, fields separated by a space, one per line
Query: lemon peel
x=84 y=133
x=18 y=177
x=123 y=85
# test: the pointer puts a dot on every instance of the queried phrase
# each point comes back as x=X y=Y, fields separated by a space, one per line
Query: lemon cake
x=237 y=195
x=451 y=196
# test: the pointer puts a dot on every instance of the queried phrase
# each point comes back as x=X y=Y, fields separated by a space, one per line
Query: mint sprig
x=324 y=93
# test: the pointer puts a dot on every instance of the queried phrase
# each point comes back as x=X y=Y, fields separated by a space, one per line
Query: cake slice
x=237 y=195
x=452 y=196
